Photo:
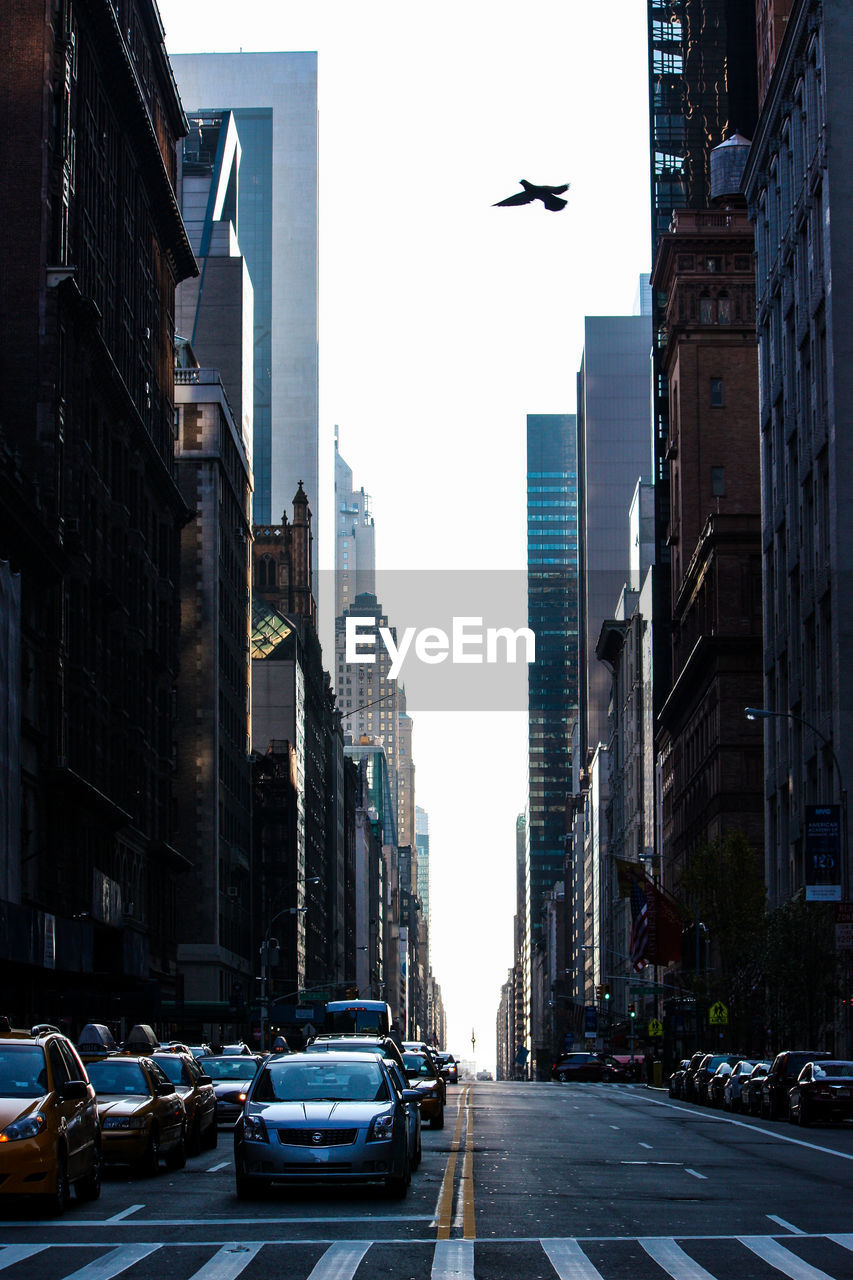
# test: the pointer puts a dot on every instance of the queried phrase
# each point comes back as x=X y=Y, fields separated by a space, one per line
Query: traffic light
x=599 y=992
x=632 y=1010
x=605 y=990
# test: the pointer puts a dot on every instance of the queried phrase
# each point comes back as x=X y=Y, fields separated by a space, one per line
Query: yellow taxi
x=50 y=1138
x=142 y=1115
x=196 y=1090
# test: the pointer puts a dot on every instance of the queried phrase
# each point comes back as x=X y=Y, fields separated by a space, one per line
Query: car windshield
x=114 y=1076
x=417 y=1065
x=343 y=1046
x=23 y=1073
x=173 y=1066
x=230 y=1068
x=324 y=1082
x=839 y=1070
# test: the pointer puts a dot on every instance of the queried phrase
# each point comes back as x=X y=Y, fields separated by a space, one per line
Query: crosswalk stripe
x=569 y=1260
x=13 y=1253
x=782 y=1259
x=228 y=1262
x=673 y=1259
x=341 y=1260
x=114 y=1262
x=453 y=1260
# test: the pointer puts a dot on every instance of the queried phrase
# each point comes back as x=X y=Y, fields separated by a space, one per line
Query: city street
x=577 y=1181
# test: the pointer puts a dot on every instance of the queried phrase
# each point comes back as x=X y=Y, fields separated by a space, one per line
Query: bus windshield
x=358 y=1017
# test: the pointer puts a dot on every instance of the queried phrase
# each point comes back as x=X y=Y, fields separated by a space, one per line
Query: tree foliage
x=801 y=974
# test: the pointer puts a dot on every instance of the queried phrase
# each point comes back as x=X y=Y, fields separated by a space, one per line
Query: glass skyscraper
x=552 y=613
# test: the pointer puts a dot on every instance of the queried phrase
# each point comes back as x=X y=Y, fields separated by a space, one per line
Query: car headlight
x=381 y=1127
x=254 y=1129
x=124 y=1122
x=28 y=1127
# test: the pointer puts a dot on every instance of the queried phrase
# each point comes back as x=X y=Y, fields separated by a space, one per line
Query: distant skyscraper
x=272 y=98
x=614 y=452
x=422 y=843
x=355 y=547
x=552 y=608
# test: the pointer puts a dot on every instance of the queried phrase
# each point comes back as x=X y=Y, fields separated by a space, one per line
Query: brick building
x=91 y=519
x=710 y=756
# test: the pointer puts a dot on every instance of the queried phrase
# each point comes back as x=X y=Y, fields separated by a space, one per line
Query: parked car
x=750 y=1094
x=733 y=1084
x=50 y=1139
x=579 y=1066
x=231 y=1075
x=195 y=1088
x=332 y=1117
x=706 y=1069
x=689 y=1083
x=676 y=1080
x=782 y=1077
x=717 y=1083
x=423 y=1077
x=141 y=1112
x=823 y=1091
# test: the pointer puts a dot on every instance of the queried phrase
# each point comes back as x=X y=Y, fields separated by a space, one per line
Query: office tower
x=368 y=698
x=272 y=100
x=614 y=452
x=405 y=773
x=90 y=514
x=702 y=89
x=796 y=181
x=355 y=543
x=771 y=20
x=213 y=774
x=552 y=615
x=422 y=845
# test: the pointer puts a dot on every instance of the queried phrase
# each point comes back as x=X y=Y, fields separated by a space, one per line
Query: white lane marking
x=741 y=1124
x=114 y=1262
x=647 y=1145
x=96 y=1223
x=615 y=1126
x=569 y=1260
x=13 y=1253
x=673 y=1259
x=783 y=1222
x=341 y=1260
x=214 y=1168
x=674 y=1163
x=846 y=1241
x=704 y=1176
x=228 y=1262
x=453 y=1260
x=782 y=1259
x=125 y=1213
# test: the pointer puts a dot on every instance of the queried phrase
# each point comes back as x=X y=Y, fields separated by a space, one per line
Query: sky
x=444 y=321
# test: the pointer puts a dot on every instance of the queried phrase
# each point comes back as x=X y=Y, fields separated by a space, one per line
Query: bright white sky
x=445 y=321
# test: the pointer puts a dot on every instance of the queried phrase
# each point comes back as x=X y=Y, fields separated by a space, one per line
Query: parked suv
x=50 y=1138
x=782 y=1077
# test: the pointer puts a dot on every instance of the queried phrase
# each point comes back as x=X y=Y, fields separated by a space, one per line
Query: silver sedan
x=332 y=1117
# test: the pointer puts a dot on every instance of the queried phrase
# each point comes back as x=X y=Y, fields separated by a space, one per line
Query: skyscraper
x=272 y=98
x=552 y=609
x=355 y=545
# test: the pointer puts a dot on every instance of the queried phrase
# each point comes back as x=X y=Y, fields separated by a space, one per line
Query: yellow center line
x=445 y=1195
x=469 y=1229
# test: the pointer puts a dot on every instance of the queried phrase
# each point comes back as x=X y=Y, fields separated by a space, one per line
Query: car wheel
x=177 y=1157
x=437 y=1122
x=150 y=1162
x=243 y=1186
x=57 y=1203
x=397 y=1186
x=89 y=1188
x=194 y=1139
x=419 y=1153
x=211 y=1138
x=803 y=1117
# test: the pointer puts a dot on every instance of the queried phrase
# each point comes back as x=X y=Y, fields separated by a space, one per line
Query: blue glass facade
x=552 y=610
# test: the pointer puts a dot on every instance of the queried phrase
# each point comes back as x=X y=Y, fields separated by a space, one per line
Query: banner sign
x=823 y=852
x=844 y=926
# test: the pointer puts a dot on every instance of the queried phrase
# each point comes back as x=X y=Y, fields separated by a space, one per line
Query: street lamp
x=269 y=948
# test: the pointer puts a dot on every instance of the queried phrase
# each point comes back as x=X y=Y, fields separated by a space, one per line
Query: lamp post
x=270 y=946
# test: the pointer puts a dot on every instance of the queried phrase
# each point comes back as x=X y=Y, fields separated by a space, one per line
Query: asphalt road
x=580 y=1182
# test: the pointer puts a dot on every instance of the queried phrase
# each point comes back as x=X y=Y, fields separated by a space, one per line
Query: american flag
x=639 y=925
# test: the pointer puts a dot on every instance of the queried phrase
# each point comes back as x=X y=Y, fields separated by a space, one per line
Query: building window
x=266 y=572
x=716 y=393
x=724 y=309
x=718 y=482
x=706 y=309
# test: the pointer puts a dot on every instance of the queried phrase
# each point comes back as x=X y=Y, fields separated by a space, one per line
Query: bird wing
x=523 y=197
x=554 y=203
x=558 y=191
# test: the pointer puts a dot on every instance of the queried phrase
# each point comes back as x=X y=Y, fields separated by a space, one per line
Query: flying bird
x=550 y=196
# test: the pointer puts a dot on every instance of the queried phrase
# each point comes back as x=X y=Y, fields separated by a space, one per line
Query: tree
x=801 y=972
x=722 y=891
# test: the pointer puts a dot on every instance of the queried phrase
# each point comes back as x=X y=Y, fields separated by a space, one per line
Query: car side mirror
x=204 y=1079
x=411 y=1095
x=74 y=1090
x=163 y=1090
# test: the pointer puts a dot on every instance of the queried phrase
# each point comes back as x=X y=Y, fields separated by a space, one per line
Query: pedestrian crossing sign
x=655 y=1027
x=718 y=1015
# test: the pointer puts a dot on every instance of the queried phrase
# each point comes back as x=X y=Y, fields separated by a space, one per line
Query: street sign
x=844 y=926
x=590 y=1022
x=642 y=989
x=655 y=1027
x=718 y=1015
x=823 y=852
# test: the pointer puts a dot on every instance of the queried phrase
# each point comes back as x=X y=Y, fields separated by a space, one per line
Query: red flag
x=664 y=927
